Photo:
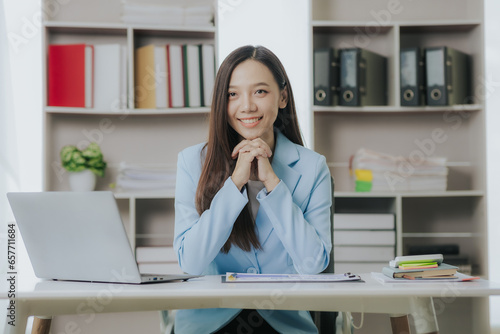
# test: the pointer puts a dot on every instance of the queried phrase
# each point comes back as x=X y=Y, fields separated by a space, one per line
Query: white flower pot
x=82 y=181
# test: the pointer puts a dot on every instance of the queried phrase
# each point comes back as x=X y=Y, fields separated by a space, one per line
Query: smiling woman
x=253 y=199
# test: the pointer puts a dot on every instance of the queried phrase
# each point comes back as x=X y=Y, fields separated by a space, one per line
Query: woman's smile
x=250 y=122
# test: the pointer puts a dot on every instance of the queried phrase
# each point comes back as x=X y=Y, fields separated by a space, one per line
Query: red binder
x=70 y=75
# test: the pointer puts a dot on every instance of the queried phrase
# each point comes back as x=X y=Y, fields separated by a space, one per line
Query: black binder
x=363 y=78
x=326 y=77
x=447 y=76
x=412 y=77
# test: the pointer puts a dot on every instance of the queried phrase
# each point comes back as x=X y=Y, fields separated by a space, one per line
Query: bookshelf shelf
x=125 y=112
x=450 y=193
x=144 y=195
x=432 y=25
x=394 y=109
x=149 y=236
x=110 y=28
x=439 y=26
x=441 y=235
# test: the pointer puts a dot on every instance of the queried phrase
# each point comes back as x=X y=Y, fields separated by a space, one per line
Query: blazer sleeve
x=198 y=239
x=305 y=233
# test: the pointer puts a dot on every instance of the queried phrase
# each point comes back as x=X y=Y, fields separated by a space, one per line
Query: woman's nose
x=248 y=104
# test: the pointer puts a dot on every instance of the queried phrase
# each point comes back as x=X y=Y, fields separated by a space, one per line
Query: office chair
x=325 y=321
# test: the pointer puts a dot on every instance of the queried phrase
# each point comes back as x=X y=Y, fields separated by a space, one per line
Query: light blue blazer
x=293 y=227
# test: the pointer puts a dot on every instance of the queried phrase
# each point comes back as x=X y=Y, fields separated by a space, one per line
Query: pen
x=349 y=275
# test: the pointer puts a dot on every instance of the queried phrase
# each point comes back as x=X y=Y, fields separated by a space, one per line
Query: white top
x=253 y=188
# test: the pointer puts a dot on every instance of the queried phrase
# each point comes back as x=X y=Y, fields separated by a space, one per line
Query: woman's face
x=253 y=101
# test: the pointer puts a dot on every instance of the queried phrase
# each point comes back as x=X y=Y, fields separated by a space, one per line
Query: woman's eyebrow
x=254 y=85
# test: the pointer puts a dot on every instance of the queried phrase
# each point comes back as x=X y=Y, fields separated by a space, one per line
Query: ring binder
x=326 y=77
x=412 y=77
x=362 y=78
x=447 y=76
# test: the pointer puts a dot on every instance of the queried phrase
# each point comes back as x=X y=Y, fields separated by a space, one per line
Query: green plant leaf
x=74 y=160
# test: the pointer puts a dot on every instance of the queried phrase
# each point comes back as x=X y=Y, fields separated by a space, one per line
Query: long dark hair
x=222 y=138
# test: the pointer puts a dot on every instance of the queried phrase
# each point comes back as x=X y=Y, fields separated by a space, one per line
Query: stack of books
x=168 y=14
x=376 y=171
x=134 y=177
x=173 y=76
x=420 y=267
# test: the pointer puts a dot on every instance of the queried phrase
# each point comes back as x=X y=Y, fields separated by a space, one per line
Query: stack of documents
x=375 y=171
x=141 y=177
x=198 y=15
x=420 y=267
x=363 y=241
x=270 y=278
x=169 y=14
x=157 y=260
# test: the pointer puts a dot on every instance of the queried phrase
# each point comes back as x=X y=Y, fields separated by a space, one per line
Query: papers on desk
x=269 y=278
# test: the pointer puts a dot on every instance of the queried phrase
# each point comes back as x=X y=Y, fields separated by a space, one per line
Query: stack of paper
x=198 y=15
x=375 y=171
x=157 y=260
x=363 y=241
x=169 y=14
x=140 y=177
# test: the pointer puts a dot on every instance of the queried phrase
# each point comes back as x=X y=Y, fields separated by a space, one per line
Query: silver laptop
x=78 y=236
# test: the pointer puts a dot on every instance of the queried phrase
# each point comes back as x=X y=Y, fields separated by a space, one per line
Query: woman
x=251 y=199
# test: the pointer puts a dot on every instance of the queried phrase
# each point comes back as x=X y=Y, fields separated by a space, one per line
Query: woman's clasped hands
x=253 y=164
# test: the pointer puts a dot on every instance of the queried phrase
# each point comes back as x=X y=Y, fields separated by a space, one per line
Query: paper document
x=245 y=277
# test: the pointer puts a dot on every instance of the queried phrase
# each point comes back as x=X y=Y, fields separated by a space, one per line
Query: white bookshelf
x=146 y=136
x=456 y=216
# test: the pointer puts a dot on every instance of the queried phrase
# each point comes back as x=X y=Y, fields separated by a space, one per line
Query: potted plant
x=83 y=165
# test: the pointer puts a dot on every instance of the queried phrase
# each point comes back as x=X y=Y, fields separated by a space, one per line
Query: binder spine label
x=412 y=77
x=436 y=77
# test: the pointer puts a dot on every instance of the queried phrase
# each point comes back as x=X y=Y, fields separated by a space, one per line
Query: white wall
x=279 y=25
x=24 y=34
x=492 y=9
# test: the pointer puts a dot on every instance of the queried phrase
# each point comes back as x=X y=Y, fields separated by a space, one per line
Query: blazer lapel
x=285 y=156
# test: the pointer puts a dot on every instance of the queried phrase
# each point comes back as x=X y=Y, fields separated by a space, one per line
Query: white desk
x=49 y=298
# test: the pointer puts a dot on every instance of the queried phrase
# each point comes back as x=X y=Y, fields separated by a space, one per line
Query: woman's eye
x=231 y=94
x=261 y=91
